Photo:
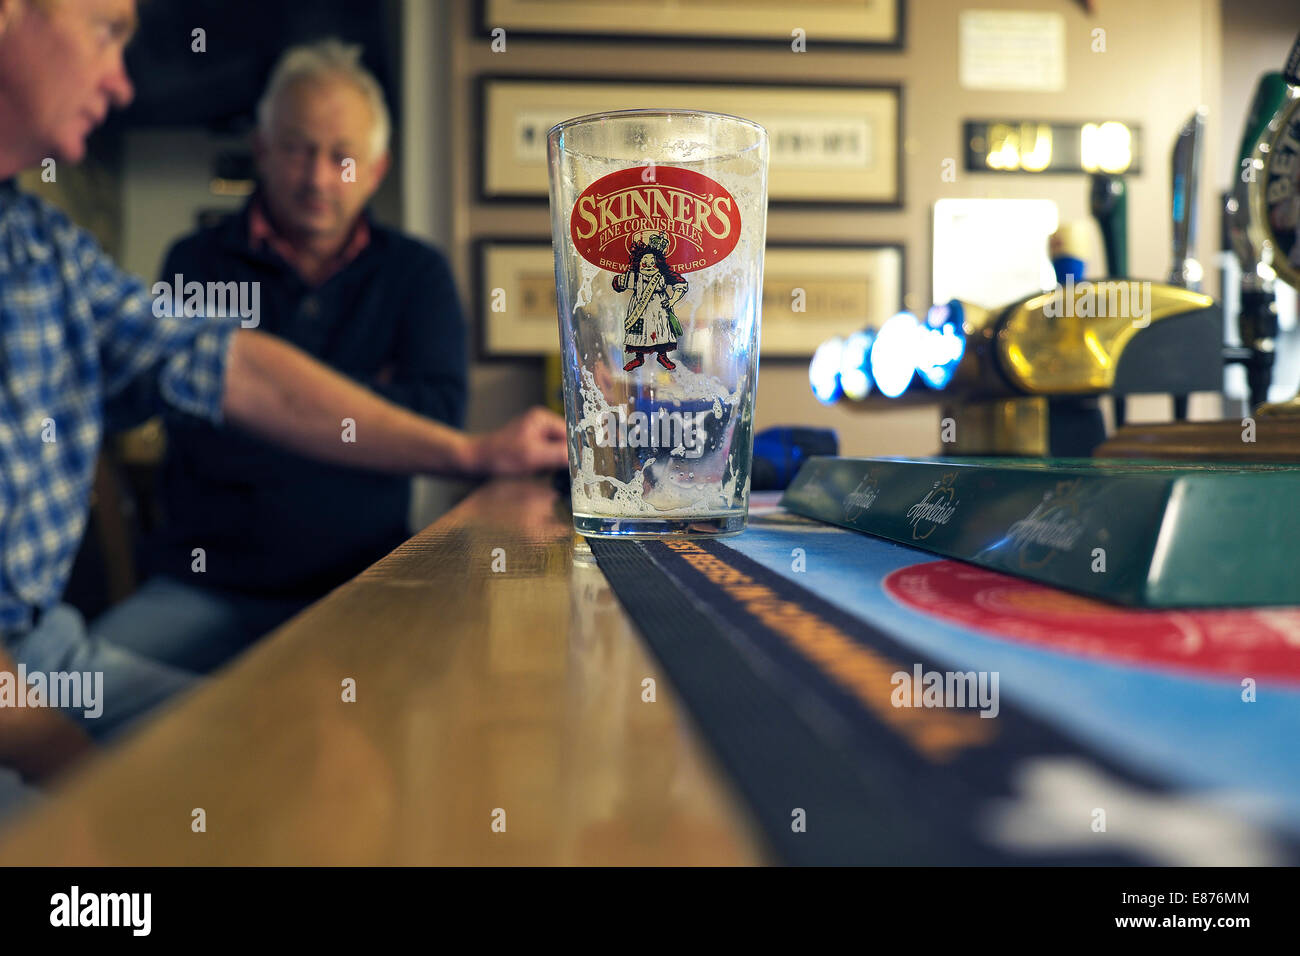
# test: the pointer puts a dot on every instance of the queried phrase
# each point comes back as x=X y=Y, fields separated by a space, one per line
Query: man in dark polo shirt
x=251 y=533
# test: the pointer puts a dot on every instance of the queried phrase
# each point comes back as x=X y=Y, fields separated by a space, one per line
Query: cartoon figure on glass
x=650 y=325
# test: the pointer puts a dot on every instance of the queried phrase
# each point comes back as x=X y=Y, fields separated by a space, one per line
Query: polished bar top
x=498 y=719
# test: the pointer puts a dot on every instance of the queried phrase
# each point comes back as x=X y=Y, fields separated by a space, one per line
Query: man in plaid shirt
x=79 y=340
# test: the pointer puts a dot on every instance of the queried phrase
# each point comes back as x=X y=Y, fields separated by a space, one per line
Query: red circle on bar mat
x=1230 y=642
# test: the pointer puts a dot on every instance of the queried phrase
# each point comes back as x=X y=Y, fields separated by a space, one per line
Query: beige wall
x=1256 y=38
x=1161 y=62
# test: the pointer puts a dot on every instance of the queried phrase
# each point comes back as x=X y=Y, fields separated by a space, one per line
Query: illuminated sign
x=1031 y=146
x=889 y=359
x=893 y=357
x=824 y=371
x=941 y=346
x=855 y=374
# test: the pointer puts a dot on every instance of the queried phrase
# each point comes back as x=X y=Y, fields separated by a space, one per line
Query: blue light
x=893 y=356
x=941 y=344
x=855 y=377
x=824 y=371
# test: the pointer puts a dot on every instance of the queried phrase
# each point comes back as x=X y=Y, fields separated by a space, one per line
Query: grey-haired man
x=363 y=298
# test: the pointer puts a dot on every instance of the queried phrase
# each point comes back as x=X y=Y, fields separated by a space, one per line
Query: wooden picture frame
x=836 y=145
x=525 y=322
x=850 y=24
x=841 y=287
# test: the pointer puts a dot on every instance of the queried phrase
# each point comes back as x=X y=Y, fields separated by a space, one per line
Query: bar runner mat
x=794 y=697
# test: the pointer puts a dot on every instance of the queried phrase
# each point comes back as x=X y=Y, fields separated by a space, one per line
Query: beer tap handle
x=1186 y=162
x=1109 y=201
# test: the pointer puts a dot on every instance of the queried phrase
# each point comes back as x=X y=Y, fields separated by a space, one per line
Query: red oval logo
x=684 y=215
x=1228 y=642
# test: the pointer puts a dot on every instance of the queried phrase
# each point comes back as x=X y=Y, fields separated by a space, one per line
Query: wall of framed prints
x=885 y=105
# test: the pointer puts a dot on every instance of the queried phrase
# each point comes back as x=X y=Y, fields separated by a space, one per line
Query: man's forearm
x=442 y=400
x=284 y=395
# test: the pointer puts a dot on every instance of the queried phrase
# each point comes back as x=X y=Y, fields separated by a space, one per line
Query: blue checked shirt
x=77 y=335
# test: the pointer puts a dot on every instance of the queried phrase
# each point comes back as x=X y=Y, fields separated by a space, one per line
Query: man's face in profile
x=61 y=71
x=316 y=127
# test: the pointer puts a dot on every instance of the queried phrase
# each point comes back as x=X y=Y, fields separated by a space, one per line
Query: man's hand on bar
x=38 y=742
x=280 y=393
x=533 y=441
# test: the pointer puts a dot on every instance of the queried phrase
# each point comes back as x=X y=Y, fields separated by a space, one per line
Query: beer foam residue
x=585 y=292
x=681 y=486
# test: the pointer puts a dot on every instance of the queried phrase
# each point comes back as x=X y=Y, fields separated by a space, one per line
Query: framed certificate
x=810 y=293
x=515 y=296
x=855 y=23
x=814 y=291
x=830 y=144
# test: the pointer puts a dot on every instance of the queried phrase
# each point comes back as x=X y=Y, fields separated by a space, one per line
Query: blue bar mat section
x=797 y=700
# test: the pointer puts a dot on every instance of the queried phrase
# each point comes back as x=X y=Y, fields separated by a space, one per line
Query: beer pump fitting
x=1025 y=378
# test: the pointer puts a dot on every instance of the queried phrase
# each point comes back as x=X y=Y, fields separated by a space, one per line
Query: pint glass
x=658 y=220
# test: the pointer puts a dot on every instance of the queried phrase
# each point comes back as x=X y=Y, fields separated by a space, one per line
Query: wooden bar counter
x=509 y=696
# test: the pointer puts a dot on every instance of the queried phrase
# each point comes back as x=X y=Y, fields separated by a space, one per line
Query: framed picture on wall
x=830 y=144
x=515 y=296
x=810 y=292
x=816 y=290
x=857 y=23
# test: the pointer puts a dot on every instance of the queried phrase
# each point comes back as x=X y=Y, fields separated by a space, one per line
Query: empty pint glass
x=658 y=219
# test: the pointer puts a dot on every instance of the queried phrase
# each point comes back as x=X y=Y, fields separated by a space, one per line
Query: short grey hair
x=327 y=59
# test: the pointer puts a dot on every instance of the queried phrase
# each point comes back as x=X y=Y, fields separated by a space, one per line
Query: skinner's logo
x=696 y=215
x=651 y=225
